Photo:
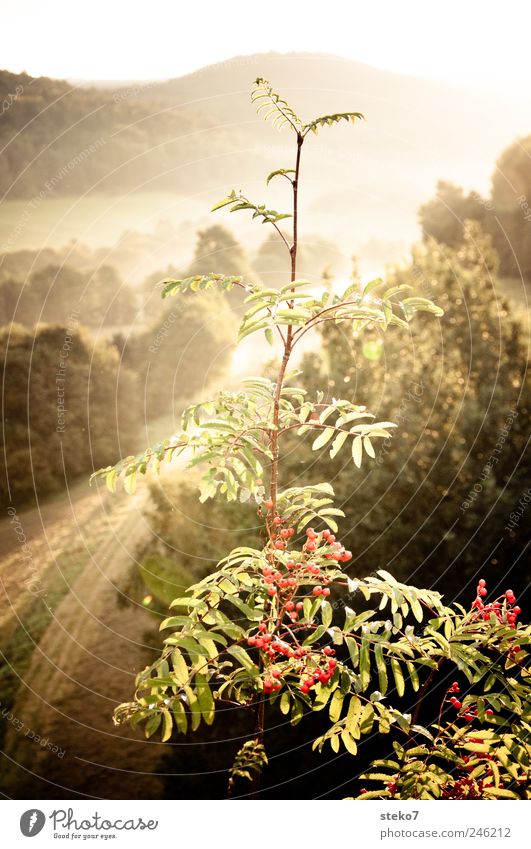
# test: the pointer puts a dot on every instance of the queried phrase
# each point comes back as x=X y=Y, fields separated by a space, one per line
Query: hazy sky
x=472 y=42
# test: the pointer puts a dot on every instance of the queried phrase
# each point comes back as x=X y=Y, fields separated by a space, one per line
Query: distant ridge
x=198 y=134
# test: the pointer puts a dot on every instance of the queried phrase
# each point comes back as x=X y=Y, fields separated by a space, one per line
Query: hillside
x=196 y=135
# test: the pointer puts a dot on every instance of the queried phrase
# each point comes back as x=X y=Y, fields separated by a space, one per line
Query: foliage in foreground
x=282 y=625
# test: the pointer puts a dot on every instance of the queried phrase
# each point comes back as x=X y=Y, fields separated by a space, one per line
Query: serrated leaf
x=225 y=202
x=367 y=444
x=367 y=718
x=357 y=450
x=204 y=699
x=167 y=725
x=381 y=668
x=336 y=705
x=180 y=667
x=327 y=614
x=323 y=438
x=338 y=443
x=353 y=714
x=349 y=742
x=285 y=703
x=243 y=659
x=398 y=676
x=365 y=664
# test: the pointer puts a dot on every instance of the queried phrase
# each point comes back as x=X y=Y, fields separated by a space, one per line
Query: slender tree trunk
x=273 y=486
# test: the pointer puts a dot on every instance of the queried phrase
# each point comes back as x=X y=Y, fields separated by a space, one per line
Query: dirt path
x=29 y=540
x=84 y=664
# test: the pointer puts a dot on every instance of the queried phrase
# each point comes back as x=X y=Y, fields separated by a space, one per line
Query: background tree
x=511 y=199
x=38 y=458
x=443 y=217
x=506 y=214
x=216 y=247
x=436 y=502
x=186 y=349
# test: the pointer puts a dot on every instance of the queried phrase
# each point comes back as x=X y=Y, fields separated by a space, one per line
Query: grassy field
x=94 y=219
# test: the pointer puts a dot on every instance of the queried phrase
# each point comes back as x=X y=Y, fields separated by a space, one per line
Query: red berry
x=271 y=591
x=299 y=605
x=277 y=520
x=289 y=605
x=517 y=610
x=268 y=504
x=310 y=546
x=317 y=590
x=326 y=591
x=481 y=582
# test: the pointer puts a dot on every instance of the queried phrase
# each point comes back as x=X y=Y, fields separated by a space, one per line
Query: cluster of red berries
x=311 y=667
x=282 y=578
x=466 y=787
x=338 y=552
x=272 y=645
x=319 y=675
x=463 y=788
x=392 y=785
x=272 y=684
x=280 y=536
x=453 y=700
x=284 y=582
x=275 y=580
x=320 y=671
x=470 y=712
x=505 y=608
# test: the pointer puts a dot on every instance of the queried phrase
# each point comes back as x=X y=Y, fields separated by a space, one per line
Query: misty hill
x=198 y=135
